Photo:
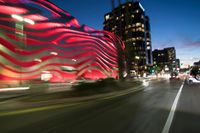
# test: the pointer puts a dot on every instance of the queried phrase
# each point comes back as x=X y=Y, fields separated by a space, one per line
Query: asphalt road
x=143 y=112
x=187 y=115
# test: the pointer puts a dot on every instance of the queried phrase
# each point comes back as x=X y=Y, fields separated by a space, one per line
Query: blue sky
x=173 y=22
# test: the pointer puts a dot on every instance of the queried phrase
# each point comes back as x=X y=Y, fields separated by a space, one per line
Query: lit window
x=133 y=39
x=142 y=25
x=138 y=24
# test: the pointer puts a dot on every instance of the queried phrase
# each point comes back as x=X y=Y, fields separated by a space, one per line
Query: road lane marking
x=36 y=109
x=172 y=111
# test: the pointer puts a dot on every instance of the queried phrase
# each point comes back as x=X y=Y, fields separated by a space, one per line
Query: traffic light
x=152 y=70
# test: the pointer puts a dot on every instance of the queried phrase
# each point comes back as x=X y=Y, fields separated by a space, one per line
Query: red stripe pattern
x=56 y=45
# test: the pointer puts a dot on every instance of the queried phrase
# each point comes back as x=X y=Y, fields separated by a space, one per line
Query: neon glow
x=58 y=45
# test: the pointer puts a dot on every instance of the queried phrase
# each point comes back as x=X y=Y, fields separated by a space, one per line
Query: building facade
x=66 y=52
x=148 y=41
x=129 y=22
x=165 y=59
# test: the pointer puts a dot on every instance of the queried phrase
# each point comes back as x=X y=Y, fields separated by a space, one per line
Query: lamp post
x=19 y=31
x=137 y=63
x=19 y=27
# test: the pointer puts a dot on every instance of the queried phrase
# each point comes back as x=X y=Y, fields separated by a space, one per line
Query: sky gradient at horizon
x=174 y=23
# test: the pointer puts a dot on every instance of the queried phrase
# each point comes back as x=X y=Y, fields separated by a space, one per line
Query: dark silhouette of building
x=165 y=59
x=148 y=41
x=178 y=64
x=197 y=63
x=129 y=22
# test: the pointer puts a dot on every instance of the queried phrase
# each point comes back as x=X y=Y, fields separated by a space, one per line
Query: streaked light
x=17 y=17
x=14 y=89
x=142 y=7
x=29 y=21
x=38 y=60
x=20 y=18
x=54 y=53
x=145 y=83
x=68 y=68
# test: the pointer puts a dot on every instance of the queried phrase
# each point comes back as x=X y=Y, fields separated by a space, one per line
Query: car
x=194 y=76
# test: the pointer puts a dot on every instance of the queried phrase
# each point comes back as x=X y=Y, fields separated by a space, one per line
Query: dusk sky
x=173 y=22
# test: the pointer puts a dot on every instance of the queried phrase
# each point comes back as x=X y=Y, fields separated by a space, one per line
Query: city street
x=99 y=66
x=141 y=112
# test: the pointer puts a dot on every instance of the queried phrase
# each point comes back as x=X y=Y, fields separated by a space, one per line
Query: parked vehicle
x=194 y=75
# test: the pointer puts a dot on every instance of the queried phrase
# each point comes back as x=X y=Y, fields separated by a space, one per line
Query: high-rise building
x=129 y=22
x=148 y=41
x=165 y=59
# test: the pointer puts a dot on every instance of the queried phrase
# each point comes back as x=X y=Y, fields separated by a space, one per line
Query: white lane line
x=172 y=111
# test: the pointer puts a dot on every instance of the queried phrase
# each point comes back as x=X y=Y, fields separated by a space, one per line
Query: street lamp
x=19 y=26
x=21 y=19
x=19 y=31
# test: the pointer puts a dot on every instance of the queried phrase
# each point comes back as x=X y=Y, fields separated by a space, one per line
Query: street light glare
x=38 y=60
x=29 y=21
x=54 y=53
x=17 y=17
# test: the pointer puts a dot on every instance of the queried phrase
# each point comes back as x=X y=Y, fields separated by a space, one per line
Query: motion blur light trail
x=39 y=41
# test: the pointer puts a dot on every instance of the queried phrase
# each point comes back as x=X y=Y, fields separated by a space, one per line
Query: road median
x=56 y=100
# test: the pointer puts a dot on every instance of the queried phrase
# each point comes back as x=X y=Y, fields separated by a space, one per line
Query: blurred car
x=174 y=76
x=194 y=75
